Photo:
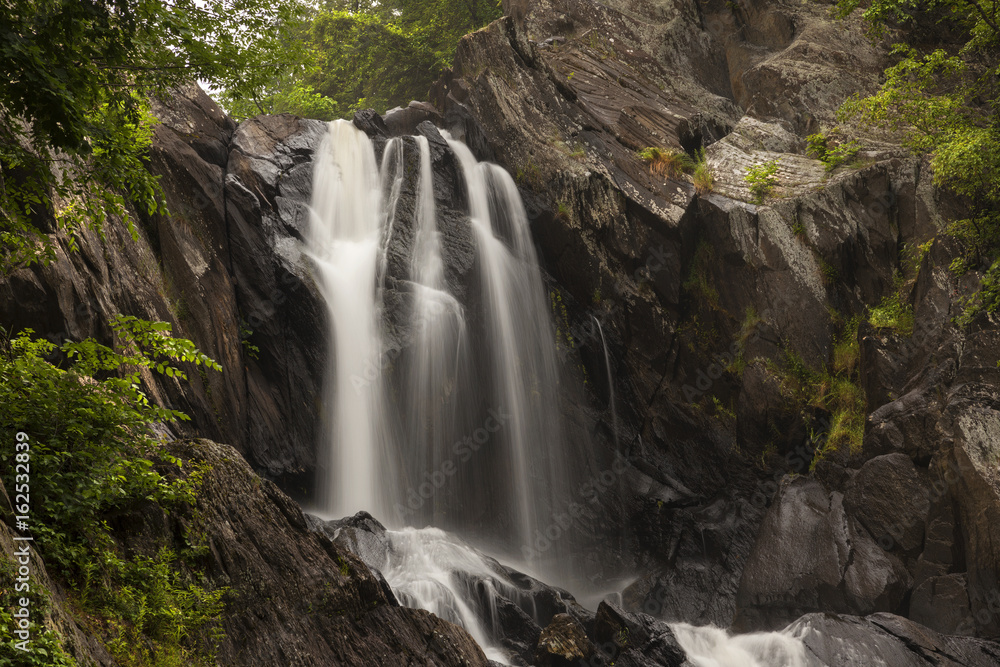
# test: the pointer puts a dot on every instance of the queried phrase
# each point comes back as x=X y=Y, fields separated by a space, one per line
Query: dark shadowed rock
x=635 y=639
x=404 y=120
x=851 y=641
x=891 y=500
x=942 y=604
x=811 y=556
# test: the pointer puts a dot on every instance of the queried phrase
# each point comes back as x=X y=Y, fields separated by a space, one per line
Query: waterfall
x=611 y=383
x=709 y=646
x=521 y=355
x=344 y=243
x=394 y=431
x=432 y=570
x=438 y=352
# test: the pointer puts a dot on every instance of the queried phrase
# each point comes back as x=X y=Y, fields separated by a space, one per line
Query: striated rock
x=298 y=598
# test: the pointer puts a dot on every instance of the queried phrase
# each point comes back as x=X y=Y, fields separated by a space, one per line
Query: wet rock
x=635 y=639
x=562 y=643
x=851 y=641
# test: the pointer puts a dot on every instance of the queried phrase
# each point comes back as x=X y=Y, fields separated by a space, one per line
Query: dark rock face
x=223 y=268
x=705 y=300
x=850 y=641
x=702 y=303
x=261 y=546
x=810 y=555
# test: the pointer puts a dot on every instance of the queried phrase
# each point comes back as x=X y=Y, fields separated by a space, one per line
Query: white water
x=433 y=570
x=392 y=428
x=438 y=352
x=709 y=646
x=520 y=349
x=344 y=243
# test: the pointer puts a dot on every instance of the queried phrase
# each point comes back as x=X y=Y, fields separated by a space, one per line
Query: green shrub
x=92 y=454
x=762 y=180
x=819 y=147
x=893 y=313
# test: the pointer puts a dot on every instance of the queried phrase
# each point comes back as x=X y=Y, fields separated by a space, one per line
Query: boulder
x=852 y=641
x=891 y=499
x=562 y=643
x=811 y=556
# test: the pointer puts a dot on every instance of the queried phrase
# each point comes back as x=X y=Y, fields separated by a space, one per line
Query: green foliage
x=74 y=122
x=819 y=147
x=704 y=180
x=665 y=162
x=762 y=180
x=987 y=300
x=89 y=430
x=154 y=599
x=92 y=454
x=361 y=55
x=846 y=351
x=835 y=391
x=245 y=334
x=46 y=647
x=699 y=280
x=893 y=313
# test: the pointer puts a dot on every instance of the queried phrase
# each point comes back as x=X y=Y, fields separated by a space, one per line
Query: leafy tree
x=365 y=61
x=362 y=53
x=74 y=121
x=945 y=103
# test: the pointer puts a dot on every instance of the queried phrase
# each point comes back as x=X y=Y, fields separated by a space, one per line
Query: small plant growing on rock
x=704 y=180
x=762 y=180
x=819 y=147
x=665 y=162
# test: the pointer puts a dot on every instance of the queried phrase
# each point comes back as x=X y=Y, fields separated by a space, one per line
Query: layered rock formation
x=564 y=94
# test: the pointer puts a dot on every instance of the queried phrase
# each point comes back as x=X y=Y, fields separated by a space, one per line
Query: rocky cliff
x=711 y=302
x=720 y=317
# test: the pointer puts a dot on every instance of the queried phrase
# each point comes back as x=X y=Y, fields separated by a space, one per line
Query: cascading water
x=431 y=570
x=344 y=243
x=520 y=352
x=438 y=351
x=709 y=646
x=391 y=429
x=611 y=383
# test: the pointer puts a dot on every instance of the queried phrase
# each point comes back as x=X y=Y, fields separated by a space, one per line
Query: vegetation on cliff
x=74 y=109
x=366 y=55
x=91 y=455
x=945 y=102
